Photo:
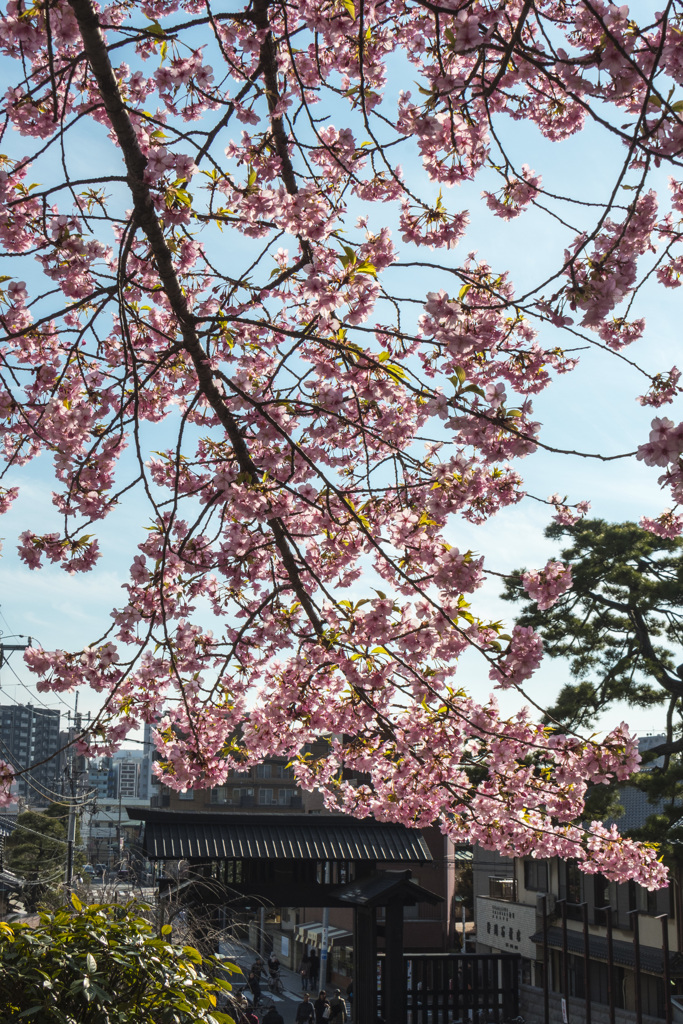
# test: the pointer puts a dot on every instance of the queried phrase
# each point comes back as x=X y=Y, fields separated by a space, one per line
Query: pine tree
x=620 y=629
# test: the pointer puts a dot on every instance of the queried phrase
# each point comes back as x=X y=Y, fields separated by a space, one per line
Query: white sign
x=284 y=945
x=506 y=926
x=565 y=1018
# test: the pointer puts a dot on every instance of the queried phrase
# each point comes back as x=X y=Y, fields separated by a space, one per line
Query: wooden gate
x=456 y=988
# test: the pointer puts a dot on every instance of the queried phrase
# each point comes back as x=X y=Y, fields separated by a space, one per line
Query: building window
x=219 y=795
x=188 y=794
x=265 y=796
x=286 y=797
x=571 y=888
x=601 y=898
x=641 y=899
x=264 y=771
x=536 y=875
x=503 y=889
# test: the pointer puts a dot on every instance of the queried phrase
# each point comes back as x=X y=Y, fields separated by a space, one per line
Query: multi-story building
x=509 y=918
x=128 y=778
x=509 y=900
x=29 y=739
x=267 y=787
x=102 y=779
x=145 y=780
x=109 y=833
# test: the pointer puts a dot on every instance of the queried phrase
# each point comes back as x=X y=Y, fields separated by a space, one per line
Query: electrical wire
x=41 y=788
x=30 y=692
x=7 y=662
x=42 y=835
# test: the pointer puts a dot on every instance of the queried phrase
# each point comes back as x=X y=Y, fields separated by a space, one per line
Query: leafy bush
x=103 y=964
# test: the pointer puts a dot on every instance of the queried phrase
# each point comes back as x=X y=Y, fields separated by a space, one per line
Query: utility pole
x=75 y=770
x=12 y=647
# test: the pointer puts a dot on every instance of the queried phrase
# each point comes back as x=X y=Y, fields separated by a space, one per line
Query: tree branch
x=145 y=214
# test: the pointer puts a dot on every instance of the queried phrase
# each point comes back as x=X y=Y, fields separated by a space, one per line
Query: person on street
x=305 y=1013
x=254 y=986
x=272 y=1016
x=273 y=964
x=257 y=967
x=337 y=1009
x=314 y=968
x=303 y=971
x=321 y=1008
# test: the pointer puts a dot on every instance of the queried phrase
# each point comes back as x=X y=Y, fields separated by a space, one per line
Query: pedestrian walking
x=314 y=969
x=254 y=986
x=337 y=1009
x=322 y=1008
x=304 y=967
x=257 y=967
x=305 y=1014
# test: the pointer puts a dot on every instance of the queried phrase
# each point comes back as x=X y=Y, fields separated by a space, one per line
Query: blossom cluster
x=247 y=308
x=546 y=585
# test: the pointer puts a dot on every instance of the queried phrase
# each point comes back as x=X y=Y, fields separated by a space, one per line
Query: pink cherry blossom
x=257 y=309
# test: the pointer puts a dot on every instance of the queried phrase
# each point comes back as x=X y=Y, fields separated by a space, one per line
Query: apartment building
x=267 y=787
x=509 y=918
x=29 y=738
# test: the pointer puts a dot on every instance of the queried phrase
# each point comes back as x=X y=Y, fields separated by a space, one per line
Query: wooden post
x=565 y=956
x=364 y=965
x=633 y=914
x=664 y=918
x=586 y=964
x=546 y=963
x=394 y=977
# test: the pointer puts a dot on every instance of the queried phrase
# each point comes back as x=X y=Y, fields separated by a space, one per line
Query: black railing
x=449 y=988
x=585 y=954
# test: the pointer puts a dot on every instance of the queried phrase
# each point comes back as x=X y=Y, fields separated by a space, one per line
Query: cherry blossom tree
x=241 y=297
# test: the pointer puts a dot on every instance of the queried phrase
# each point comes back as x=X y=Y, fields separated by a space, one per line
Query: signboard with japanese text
x=506 y=926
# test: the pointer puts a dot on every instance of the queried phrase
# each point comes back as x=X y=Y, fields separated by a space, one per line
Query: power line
x=25 y=636
x=35 y=695
x=46 y=792
x=42 y=835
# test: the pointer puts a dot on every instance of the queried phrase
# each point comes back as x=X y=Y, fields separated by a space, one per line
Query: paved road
x=291 y=997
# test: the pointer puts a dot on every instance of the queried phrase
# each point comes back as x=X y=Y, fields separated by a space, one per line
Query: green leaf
x=167 y=929
x=76 y=903
x=192 y=954
x=349 y=5
x=90 y=963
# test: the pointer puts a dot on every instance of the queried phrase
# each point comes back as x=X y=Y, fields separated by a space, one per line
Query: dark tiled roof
x=384 y=888
x=651 y=958
x=173 y=835
x=637 y=808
